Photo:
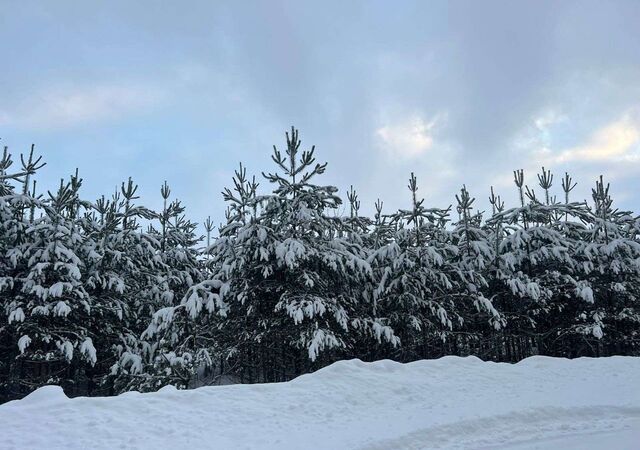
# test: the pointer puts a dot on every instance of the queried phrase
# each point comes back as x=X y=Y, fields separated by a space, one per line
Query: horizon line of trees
x=107 y=296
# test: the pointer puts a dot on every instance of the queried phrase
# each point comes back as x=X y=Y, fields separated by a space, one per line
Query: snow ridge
x=452 y=402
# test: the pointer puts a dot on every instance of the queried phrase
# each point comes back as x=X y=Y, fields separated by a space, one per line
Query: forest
x=104 y=296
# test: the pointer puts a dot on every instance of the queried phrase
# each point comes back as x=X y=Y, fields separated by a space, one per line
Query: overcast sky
x=458 y=92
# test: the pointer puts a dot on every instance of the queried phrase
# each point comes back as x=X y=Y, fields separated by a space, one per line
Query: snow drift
x=451 y=402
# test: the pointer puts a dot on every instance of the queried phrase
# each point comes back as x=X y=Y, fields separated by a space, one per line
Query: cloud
x=537 y=135
x=610 y=147
x=505 y=75
x=615 y=141
x=548 y=119
x=67 y=107
x=409 y=138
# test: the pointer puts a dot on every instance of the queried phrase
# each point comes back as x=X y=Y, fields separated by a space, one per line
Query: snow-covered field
x=539 y=403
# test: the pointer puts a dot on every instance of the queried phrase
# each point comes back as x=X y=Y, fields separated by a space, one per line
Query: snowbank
x=447 y=403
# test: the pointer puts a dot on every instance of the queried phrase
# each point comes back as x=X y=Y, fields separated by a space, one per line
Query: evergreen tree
x=51 y=309
x=609 y=256
x=475 y=256
x=109 y=296
x=164 y=267
x=417 y=278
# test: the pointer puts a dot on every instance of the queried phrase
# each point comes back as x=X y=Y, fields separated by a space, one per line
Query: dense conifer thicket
x=107 y=296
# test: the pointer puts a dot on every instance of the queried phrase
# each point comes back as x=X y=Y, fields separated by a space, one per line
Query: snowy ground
x=540 y=403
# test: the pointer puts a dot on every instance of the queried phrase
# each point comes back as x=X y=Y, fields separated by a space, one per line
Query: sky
x=459 y=92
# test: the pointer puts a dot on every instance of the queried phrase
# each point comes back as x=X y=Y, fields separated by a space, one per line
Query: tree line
x=107 y=296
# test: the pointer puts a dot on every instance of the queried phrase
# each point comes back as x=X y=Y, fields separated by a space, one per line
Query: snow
x=61 y=309
x=17 y=315
x=452 y=402
x=66 y=348
x=57 y=289
x=89 y=350
x=23 y=343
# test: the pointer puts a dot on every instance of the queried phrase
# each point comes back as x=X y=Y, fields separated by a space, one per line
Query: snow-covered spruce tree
x=609 y=259
x=121 y=264
x=366 y=236
x=534 y=274
x=12 y=226
x=287 y=278
x=7 y=242
x=182 y=343
x=416 y=285
x=177 y=250
x=319 y=259
x=561 y=327
x=166 y=266
x=472 y=265
x=50 y=309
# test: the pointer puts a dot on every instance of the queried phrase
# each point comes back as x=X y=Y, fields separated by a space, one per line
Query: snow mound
x=458 y=403
x=45 y=395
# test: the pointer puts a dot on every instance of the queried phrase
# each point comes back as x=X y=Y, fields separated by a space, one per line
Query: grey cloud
x=240 y=75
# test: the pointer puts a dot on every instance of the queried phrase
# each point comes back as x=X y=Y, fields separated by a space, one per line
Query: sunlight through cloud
x=407 y=139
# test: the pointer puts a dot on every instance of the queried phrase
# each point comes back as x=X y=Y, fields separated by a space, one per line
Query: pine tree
x=165 y=265
x=609 y=255
x=286 y=273
x=536 y=283
x=475 y=255
x=108 y=296
x=417 y=278
x=51 y=310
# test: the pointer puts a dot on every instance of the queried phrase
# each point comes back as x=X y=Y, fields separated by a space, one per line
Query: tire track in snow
x=518 y=427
